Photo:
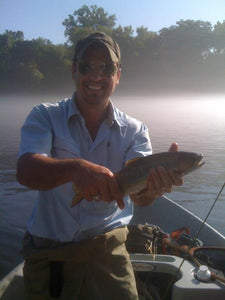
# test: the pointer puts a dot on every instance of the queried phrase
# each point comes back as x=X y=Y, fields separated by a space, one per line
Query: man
x=82 y=141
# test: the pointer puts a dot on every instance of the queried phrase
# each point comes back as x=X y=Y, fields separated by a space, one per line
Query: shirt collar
x=113 y=116
x=117 y=117
x=73 y=110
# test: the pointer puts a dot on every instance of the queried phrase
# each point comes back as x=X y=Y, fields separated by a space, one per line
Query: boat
x=160 y=276
x=170 y=216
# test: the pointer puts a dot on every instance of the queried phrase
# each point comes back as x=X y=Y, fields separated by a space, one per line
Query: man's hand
x=159 y=181
x=95 y=180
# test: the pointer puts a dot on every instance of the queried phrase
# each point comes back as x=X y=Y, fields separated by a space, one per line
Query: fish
x=133 y=177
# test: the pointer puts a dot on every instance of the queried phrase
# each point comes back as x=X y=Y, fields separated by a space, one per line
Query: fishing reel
x=188 y=240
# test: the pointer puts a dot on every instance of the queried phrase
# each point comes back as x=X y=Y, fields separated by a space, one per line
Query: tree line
x=189 y=55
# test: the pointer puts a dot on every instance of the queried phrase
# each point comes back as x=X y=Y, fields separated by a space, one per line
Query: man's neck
x=93 y=115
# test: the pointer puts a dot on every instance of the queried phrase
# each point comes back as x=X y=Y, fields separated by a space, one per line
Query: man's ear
x=73 y=70
x=118 y=76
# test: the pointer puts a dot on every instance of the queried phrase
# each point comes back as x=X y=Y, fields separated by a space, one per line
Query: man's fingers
x=177 y=179
x=109 y=191
x=116 y=193
x=166 y=179
x=154 y=184
x=160 y=181
x=173 y=147
x=105 y=193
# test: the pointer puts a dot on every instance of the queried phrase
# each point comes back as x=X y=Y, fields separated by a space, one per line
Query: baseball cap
x=98 y=37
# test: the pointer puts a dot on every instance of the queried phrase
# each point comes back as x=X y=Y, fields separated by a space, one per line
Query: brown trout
x=132 y=178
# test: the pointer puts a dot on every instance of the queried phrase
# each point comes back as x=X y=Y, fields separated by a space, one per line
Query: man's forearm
x=39 y=172
x=43 y=173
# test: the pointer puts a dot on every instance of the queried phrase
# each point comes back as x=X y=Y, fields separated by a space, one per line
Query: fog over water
x=196 y=122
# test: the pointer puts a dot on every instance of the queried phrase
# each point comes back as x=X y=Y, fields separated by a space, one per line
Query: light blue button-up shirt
x=58 y=130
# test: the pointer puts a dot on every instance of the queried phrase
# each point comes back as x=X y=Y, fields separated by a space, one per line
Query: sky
x=43 y=18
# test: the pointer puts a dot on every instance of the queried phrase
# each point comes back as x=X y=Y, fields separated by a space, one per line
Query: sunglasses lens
x=86 y=68
x=110 y=69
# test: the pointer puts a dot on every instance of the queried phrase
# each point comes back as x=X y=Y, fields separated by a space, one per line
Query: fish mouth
x=198 y=164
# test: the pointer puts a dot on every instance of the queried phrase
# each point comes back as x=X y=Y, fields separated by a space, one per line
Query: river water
x=196 y=122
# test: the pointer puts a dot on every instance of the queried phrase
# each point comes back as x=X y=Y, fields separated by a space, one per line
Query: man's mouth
x=94 y=87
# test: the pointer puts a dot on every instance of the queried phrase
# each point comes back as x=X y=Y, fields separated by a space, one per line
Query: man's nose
x=96 y=73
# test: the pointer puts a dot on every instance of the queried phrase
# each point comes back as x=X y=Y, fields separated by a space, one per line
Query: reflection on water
x=196 y=123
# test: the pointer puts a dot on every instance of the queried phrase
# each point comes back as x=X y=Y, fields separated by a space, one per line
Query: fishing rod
x=193 y=258
x=195 y=239
x=210 y=210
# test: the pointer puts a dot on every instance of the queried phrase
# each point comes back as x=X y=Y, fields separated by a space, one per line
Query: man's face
x=93 y=80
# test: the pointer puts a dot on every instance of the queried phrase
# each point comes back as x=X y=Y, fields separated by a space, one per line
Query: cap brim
x=112 y=54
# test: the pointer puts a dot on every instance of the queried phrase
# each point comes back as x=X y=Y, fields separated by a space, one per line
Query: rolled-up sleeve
x=36 y=133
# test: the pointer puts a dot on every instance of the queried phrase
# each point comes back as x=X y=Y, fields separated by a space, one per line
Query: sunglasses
x=107 y=69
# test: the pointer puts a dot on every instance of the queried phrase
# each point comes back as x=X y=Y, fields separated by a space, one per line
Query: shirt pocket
x=64 y=148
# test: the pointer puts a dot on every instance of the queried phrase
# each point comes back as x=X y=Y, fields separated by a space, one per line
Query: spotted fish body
x=132 y=178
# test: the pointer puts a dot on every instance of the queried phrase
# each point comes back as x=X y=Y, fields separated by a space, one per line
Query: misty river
x=195 y=122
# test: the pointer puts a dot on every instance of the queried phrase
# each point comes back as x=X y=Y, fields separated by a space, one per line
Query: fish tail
x=77 y=197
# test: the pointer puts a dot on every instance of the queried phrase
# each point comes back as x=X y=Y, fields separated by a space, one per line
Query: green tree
x=143 y=35
x=8 y=38
x=219 y=37
x=181 y=49
x=24 y=67
x=7 y=41
x=54 y=63
x=143 y=43
x=86 y=20
x=189 y=50
x=187 y=41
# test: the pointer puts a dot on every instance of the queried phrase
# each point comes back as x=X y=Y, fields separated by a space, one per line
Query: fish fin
x=77 y=198
x=131 y=160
